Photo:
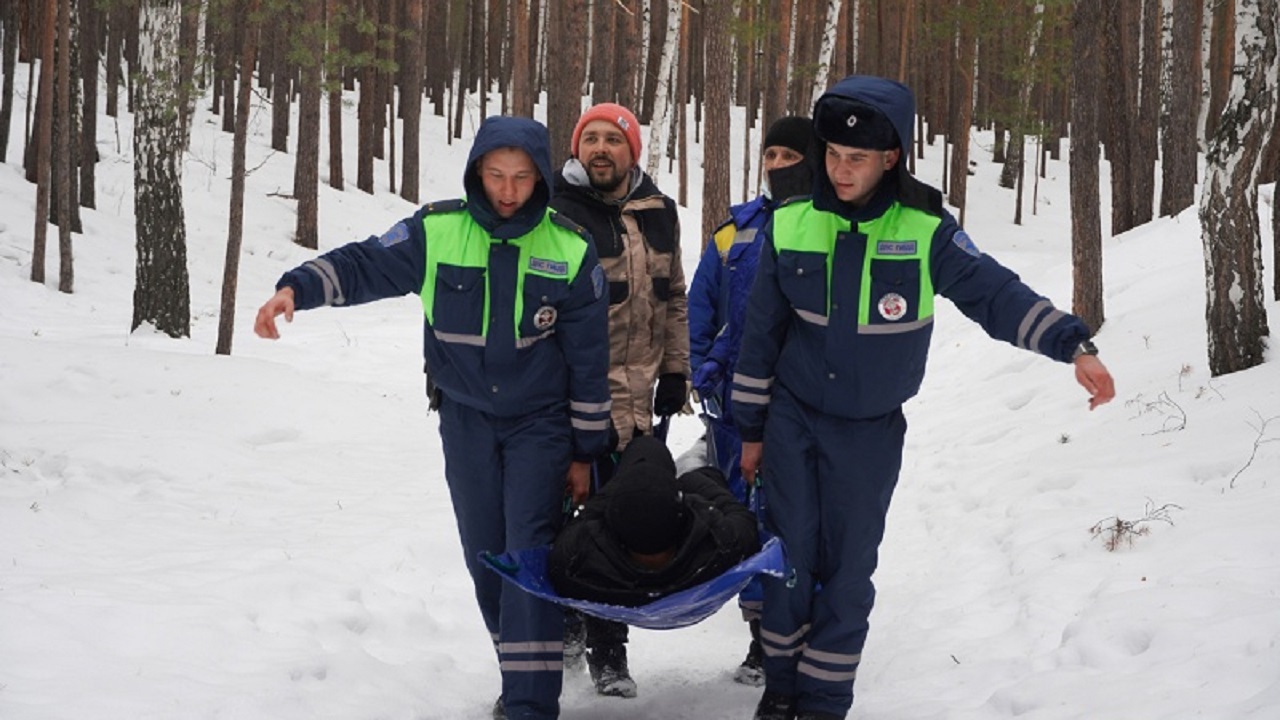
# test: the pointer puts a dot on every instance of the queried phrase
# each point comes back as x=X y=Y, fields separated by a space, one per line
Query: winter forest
x=1150 y=83
x=199 y=523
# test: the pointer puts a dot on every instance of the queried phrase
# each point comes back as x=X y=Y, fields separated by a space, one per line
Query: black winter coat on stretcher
x=588 y=561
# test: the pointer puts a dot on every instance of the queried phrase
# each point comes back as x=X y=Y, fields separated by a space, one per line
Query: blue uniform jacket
x=722 y=283
x=828 y=365
x=568 y=369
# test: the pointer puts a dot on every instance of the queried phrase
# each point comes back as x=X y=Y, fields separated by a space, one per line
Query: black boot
x=775 y=706
x=607 y=657
x=575 y=642
x=608 y=666
x=751 y=671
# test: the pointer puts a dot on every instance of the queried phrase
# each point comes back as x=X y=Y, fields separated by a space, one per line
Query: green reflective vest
x=900 y=234
x=456 y=243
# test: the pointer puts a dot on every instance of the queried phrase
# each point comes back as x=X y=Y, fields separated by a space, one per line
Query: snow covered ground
x=267 y=536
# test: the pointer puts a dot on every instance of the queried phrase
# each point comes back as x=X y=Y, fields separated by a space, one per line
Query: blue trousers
x=507 y=480
x=725 y=451
x=828 y=482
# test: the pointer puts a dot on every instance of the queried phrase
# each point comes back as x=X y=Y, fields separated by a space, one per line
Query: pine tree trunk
x=1121 y=111
x=90 y=32
x=161 y=293
x=8 y=65
x=963 y=89
x=281 y=68
x=1145 y=148
x=779 y=51
x=1236 y=309
x=368 y=108
x=42 y=158
x=411 y=99
x=566 y=56
x=1086 y=220
x=62 y=149
x=235 y=221
x=1179 y=166
x=521 y=70
x=334 y=22
x=116 y=32
x=306 y=177
x=715 y=163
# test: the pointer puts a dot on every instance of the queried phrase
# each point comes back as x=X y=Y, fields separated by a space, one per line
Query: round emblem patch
x=545 y=317
x=893 y=307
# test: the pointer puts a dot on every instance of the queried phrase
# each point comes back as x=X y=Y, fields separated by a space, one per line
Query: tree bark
x=963 y=84
x=1145 y=149
x=1121 y=111
x=235 y=221
x=715 y=163
x=1180 y=143
x=661 y=120
x=306 y=176
x=566 y=55
x=411 y=100
x=1236 y=309
x=281 y=73
x=161 y=293
x=335 y=24
x=8 y=65
x=825 y=50
x=43 y=146
x=522 y=71
x=62 y=149
x=1086 y=220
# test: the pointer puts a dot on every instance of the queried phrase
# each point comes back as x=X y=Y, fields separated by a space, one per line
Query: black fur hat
x=848 y=122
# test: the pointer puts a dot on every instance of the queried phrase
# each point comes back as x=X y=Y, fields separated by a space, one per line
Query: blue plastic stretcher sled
x=527 y=569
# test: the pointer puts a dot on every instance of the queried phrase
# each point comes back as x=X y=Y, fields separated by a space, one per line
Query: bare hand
x=577 y=482
x=280 y=304
x=1094 y=377
x=752 y=453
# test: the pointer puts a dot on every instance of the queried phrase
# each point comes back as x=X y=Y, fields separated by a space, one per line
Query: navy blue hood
x=502 y=132
x=898 y=104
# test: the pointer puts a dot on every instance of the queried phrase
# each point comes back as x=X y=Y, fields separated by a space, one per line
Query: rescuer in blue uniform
x=717 y=310
x=837 y=332
x=517 y=352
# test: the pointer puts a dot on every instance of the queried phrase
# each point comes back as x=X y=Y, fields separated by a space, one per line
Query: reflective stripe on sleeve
x=328 y=280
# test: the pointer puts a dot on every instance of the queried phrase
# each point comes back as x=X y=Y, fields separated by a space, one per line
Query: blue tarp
x=527 y=569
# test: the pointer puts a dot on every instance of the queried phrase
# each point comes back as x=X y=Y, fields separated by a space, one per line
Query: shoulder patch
x=564 y=221
x=444 y=206
x=965 y=243
x=597 y=281
x=723 y=237
x=396 y=235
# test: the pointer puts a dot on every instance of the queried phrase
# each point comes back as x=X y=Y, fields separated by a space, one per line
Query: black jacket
x=587 y=562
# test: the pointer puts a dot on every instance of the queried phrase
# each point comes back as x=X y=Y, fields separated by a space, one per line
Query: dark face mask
x=791 y=181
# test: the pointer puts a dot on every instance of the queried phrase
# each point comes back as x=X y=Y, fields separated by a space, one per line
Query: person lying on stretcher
x=648 y=533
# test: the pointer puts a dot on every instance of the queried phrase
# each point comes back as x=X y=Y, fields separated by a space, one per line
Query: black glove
x=670 y=396
x=613 y=439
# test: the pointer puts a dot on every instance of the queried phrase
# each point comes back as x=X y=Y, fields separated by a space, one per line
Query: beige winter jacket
x=638 y=241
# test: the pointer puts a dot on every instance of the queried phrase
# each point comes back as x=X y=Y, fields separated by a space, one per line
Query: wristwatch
x=1086 y=347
